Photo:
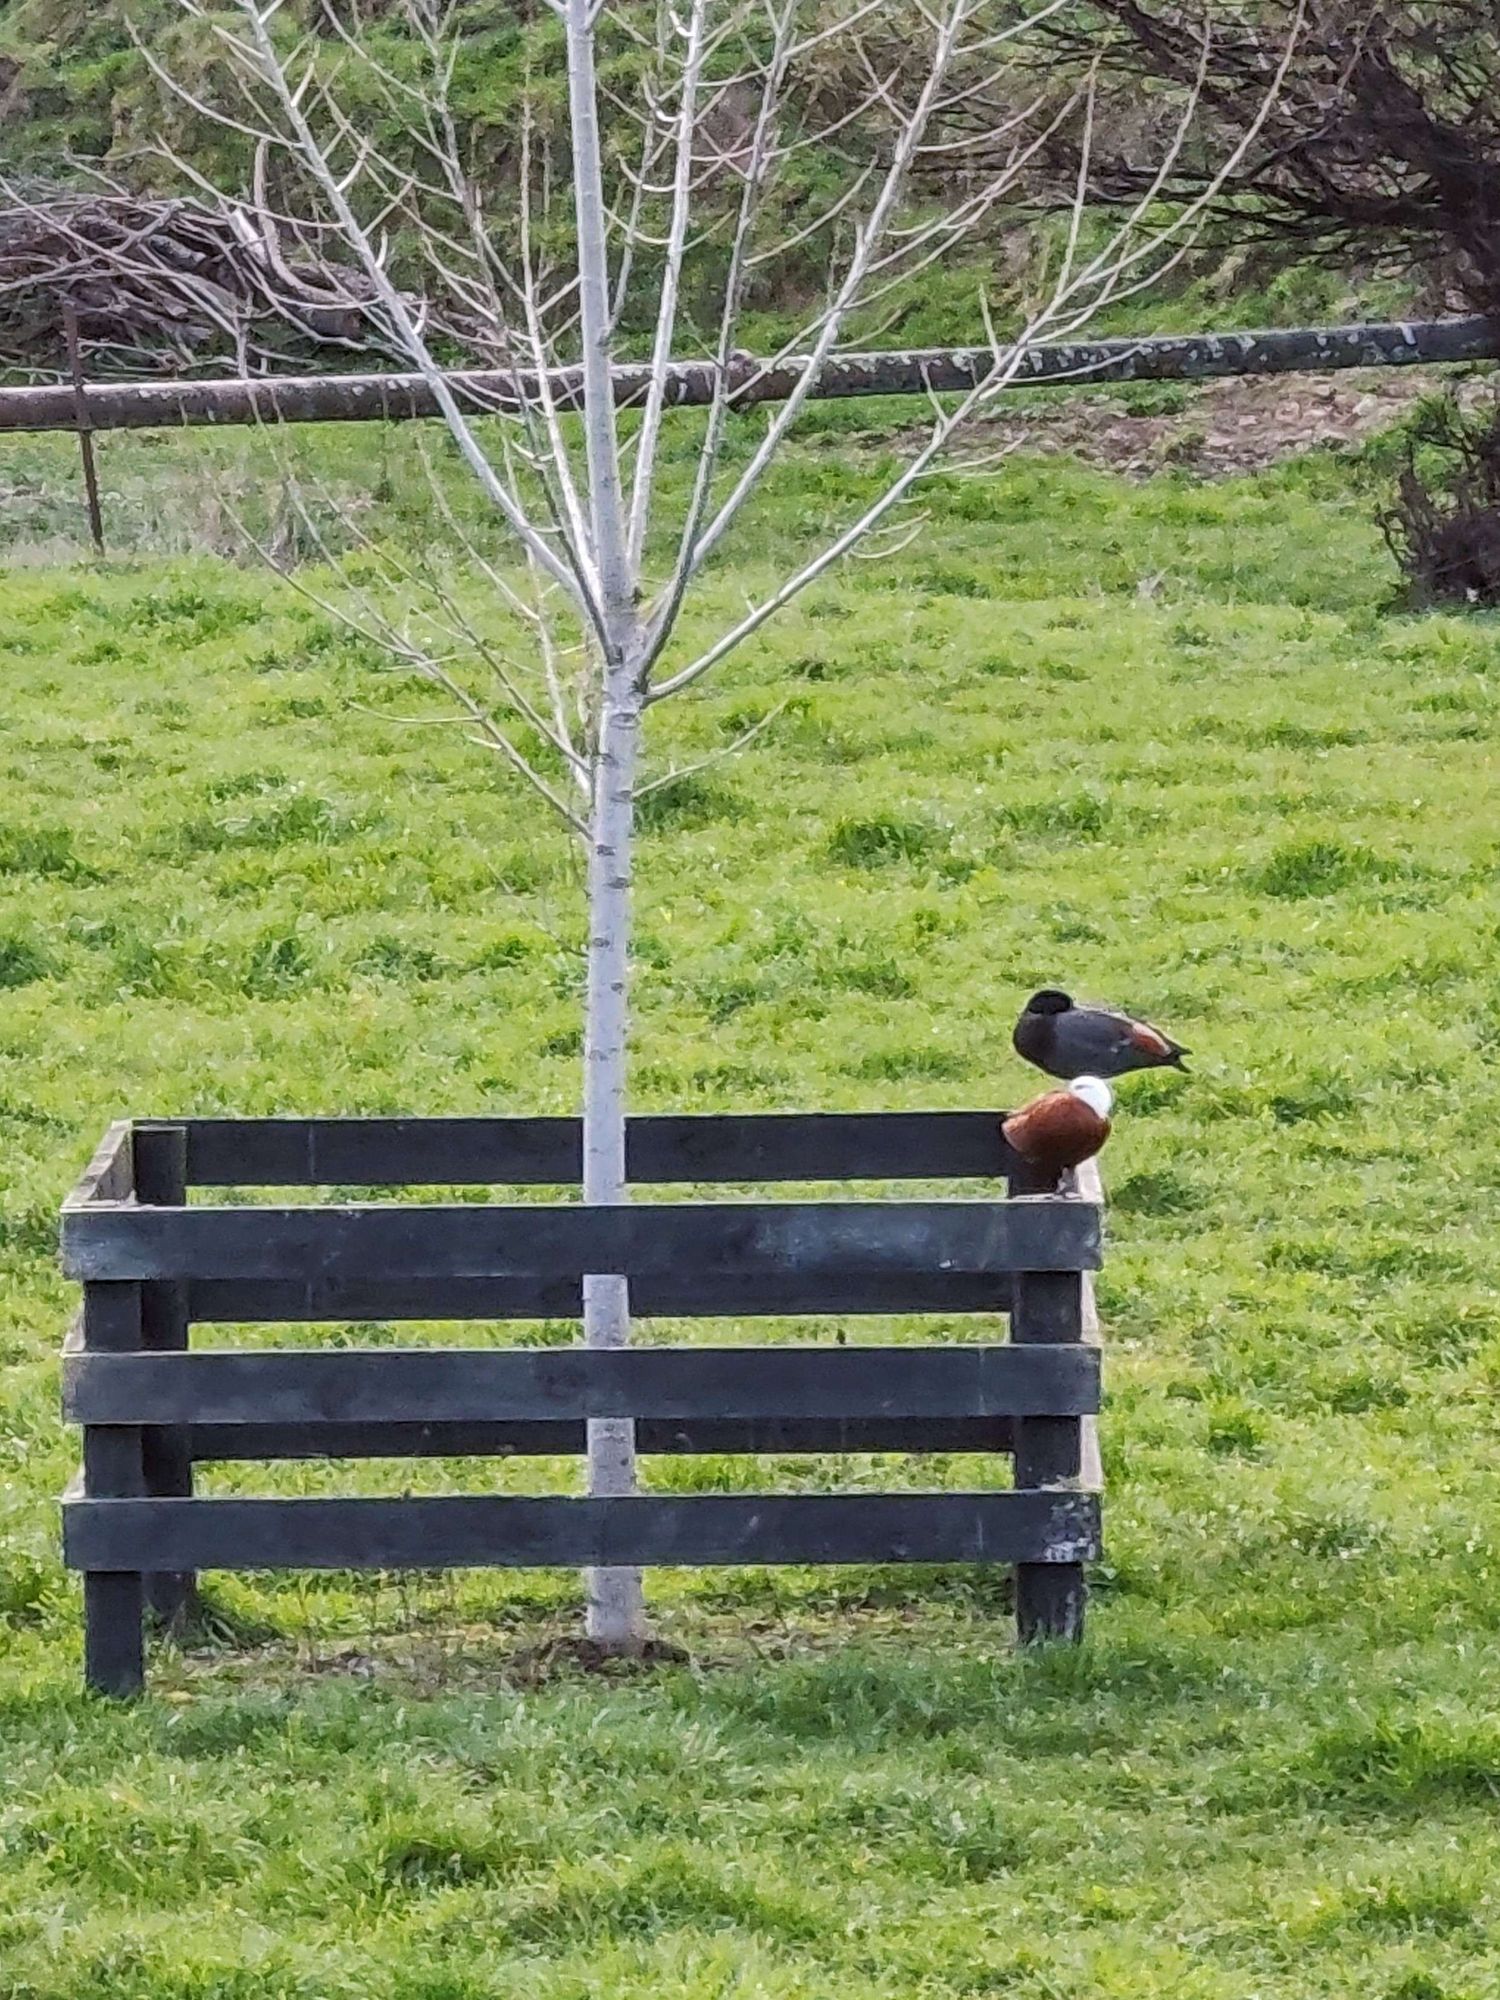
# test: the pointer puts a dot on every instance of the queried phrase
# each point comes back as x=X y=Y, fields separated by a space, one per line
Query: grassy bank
x=1163 y=743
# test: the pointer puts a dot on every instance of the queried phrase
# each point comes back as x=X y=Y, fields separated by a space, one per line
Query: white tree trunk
x=616 y=1606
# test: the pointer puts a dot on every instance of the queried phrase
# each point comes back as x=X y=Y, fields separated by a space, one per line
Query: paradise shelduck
x=1062 y=1128
x=1069 y=1041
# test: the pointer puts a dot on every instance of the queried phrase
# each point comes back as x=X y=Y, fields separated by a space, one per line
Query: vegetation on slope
x=74 y=88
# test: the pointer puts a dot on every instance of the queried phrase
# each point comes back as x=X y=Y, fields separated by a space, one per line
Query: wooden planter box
x=153 y=1264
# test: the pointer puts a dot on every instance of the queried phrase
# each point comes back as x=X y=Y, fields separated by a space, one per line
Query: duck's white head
x=1095 y=1093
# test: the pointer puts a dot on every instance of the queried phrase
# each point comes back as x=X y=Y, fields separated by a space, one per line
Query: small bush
x=1444 y=525
x=391 y=957
x=1079 y=816
x=41 y=850
x=1317 y=868
x=22 y=960
x=687 y=803
x=502 y=952
x=278 y=964
x=877 y=842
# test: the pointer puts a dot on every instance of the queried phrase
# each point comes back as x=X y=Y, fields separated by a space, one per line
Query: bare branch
x=715 y=757
x=666 y=318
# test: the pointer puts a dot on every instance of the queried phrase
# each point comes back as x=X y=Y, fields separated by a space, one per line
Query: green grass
x=1254 y=804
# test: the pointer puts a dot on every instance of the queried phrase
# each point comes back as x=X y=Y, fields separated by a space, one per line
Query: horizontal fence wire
x=667 y=1295
x=673 y=1437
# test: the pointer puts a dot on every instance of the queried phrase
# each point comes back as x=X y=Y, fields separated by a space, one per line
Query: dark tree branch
x=1385 y=137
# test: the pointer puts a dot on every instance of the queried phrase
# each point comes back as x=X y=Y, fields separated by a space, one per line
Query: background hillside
x=74 y=89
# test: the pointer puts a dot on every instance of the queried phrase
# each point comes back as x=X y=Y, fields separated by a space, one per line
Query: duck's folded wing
x=1151 y=1041
x=1099 y=1036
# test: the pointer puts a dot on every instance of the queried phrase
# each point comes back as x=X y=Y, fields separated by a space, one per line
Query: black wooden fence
x=153 y=1264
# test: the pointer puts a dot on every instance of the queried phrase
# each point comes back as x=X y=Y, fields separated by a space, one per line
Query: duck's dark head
x=1049 y=1001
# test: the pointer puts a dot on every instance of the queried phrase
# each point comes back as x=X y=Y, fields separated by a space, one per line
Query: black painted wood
x=669 y=1436
x=668 y=1295
x=159 y=1153
x=452 y=1384
x=160 y=1157
x=760 y=1146
x=394 y=1241
x=113 y=1645
x=493 y=1532
x=114 y=1658
x=152 y=1265
x=107 y=1177
x=1050 y=1599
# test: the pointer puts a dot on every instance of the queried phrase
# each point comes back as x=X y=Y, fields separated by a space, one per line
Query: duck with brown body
x=1061 y=1128
x=1068 y=1041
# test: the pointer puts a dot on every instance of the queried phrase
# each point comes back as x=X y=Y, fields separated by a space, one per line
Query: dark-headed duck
x=1068 y=1041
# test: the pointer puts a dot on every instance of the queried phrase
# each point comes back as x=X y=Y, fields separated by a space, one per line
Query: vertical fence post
x=113 y=1659
x=84 y=425
x=161 y=1182
x=1088 y=1185
x=1047 y=1306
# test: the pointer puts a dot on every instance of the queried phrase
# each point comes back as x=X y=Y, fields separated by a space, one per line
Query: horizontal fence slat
x=760 y=1146
x=501 y=1532
x=763 y=1437
x=441 y=1384
x=672 y=1295
x=393 y=1241
x=110 y=1174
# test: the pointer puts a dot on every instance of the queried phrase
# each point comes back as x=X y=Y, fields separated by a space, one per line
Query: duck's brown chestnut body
x=1062 y=1128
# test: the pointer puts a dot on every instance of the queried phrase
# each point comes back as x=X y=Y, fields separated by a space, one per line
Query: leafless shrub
x=1444 y=525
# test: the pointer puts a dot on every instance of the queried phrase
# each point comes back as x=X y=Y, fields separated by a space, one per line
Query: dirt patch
x=535 y=1665
x=1242 y=424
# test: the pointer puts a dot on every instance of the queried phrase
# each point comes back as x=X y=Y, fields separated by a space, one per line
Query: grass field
x=1163 y=743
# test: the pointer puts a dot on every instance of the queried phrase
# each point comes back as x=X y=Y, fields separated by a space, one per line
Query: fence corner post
x=166 y=1452
x=113 y=1641
x=1047 y=1307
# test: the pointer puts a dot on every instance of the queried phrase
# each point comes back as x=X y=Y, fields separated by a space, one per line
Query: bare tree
x=680 y=180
